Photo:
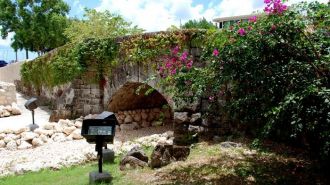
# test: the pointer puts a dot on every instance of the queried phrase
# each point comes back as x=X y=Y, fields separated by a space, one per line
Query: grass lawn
x=76 y=175
x=208 y=163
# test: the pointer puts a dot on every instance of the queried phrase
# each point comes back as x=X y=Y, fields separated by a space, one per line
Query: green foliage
x=99 y=25
x=38 y=25
x=273 y=74
x=199 y=24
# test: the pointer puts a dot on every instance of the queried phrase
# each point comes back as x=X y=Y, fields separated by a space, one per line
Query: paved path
x=13 y=122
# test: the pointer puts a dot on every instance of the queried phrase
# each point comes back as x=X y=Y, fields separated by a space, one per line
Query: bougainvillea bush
x=274 y=73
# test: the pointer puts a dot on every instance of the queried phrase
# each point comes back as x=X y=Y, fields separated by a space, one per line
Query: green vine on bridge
x=96 y=57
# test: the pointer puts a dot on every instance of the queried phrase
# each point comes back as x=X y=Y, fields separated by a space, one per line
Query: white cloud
x=7 y=41
x=157 y=15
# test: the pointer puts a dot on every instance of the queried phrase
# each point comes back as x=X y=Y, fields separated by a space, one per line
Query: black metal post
x=98 y=148
x=33 y=117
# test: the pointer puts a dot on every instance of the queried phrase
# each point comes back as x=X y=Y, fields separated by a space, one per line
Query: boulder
x=5 y=113
x=229 y=144
x=137 y=117
x=144 y=115
x=28 y=135
x=11 y=145
x=136 y=125
x=8 y=108
x=15 y=110
x=77 y=134
x=181 y=117
x=65 y=123
x=131 y=162
x=196 y=119
x=40 y=131
x=69 y=130
x=78 y=124
x=2 y=136
x=164 y=154
x=44 y=138
x=49 y=126
x=58 y=137
x=2 y=144
x=21 y=130
x=8 y=131
x=37 y=142
x=138 y=153
x=128 y=119
x=124 y=127
x=58 y=128
x=24 y=145
x=10 y=137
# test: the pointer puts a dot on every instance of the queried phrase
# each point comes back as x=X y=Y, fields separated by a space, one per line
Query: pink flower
x=274 y=7
x=168 y=65
x=215 y=52
x=173 y=71
x=184 y=56
x=211 y=98
x=250 y=28
x=241 y=32
x=189 y=64
x=267 y=1
x=175 y=50
x=253 y=19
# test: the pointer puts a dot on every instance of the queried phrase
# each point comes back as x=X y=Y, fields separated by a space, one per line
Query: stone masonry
x=7 y=93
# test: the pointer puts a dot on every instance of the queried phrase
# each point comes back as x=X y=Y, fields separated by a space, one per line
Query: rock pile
x=142 y=118
x=23 y=138
x=9 y=110
x=185 y=126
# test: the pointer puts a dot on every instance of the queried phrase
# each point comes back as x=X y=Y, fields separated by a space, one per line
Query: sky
x=155 y=15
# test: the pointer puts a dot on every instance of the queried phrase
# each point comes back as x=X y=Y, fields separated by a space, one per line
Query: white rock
x=58 y=128
x=180 y=117
x=10 y=137
x=44 y=138
x=2 y=144
x=28 y=135
x=37 y=142
x=40 y=131
x=21 y=130
x=8 y=131
x=15 y=109
x=2 y=136
x=11 y=145
x=5 y=113
x=24 y=145
x=65 y=123
x=8 y=108
x=59 y=137
x=78 y=124
x=69 y=130
x=77 y=134
x=49 y=126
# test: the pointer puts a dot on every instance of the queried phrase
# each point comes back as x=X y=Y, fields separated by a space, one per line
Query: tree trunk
x=16 y=55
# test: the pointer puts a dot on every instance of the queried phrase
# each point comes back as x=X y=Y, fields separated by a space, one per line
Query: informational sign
x=100 y=130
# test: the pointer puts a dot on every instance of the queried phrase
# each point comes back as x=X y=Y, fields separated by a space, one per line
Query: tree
x=99 y=25
x=199 y=24
x=38 y=24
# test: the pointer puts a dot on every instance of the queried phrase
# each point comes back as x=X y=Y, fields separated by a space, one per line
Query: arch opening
x=138 y=105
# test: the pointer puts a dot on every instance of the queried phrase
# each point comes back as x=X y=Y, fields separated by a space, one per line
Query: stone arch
x=138 y=105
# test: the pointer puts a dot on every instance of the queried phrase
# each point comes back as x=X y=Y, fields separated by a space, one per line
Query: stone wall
x=7 y=93
x=11 y=72
x=142 y=118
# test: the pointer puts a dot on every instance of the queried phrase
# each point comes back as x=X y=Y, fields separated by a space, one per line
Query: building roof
x=221 y=19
